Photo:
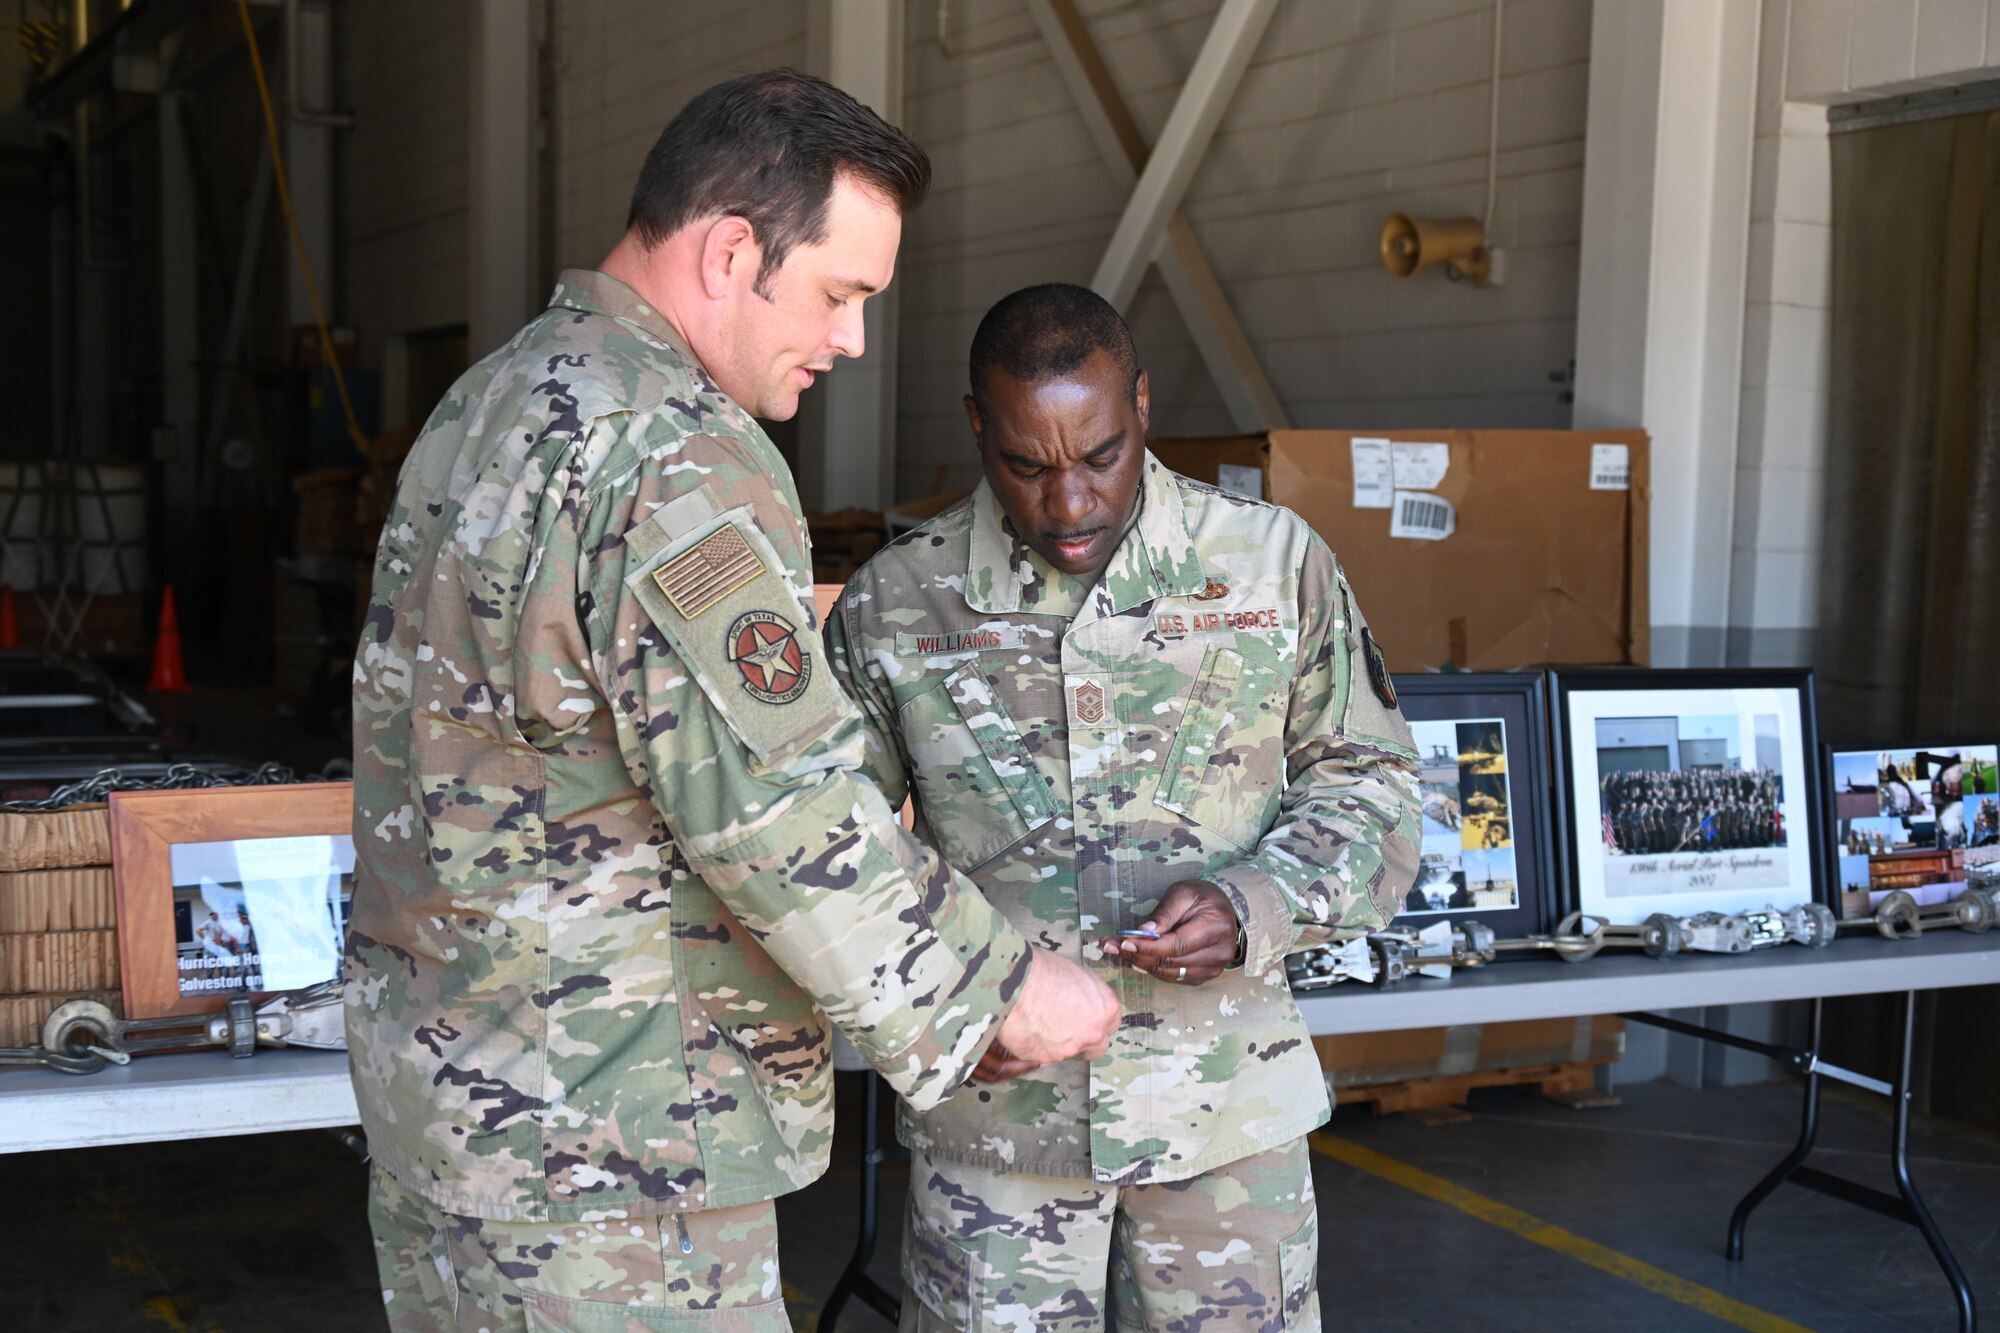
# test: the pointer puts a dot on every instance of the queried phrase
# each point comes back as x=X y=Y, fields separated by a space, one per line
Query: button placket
x=1098 y=745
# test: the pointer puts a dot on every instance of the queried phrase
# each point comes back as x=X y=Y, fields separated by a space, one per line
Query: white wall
x=1352 y=109
x=1811 y=54
x=402 y=192
x=623 y=68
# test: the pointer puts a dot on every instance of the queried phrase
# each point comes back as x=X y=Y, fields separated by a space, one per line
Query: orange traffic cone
x=10 y=625
x=168 y=675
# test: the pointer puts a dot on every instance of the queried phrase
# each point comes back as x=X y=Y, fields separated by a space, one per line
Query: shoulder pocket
x=719 y=594
x=1368 y=711
x=1187 y=768
x=1225 y=769
x=981 y=791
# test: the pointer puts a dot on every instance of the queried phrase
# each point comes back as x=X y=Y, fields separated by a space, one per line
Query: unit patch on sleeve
x=765 y=649
x=699 y=577
x=1378 y=669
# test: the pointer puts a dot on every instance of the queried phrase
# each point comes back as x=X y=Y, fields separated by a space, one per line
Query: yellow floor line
x=129 y=1254
x=1527 y=1227
x=803 y=1308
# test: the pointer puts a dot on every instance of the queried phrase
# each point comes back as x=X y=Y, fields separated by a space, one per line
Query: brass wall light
x=1410 y=245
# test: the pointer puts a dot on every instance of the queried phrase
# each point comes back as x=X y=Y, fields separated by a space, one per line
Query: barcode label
x=1423 y=516
x=1610 y=467
x=1373 y=473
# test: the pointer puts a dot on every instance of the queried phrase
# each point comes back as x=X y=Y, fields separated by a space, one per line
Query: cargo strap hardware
x=1438 y=950
x=1901 y=917
x=83 y=1036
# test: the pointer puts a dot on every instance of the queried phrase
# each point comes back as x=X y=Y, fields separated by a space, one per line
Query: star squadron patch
x=764 y=647
x=699 y=577
x=1378 y=670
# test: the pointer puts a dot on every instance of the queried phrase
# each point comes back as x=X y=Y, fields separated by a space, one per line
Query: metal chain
x=63 y=1062
x=107 y=780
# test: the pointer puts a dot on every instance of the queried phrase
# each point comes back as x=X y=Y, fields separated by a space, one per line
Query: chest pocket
x=980 y=788
x=1217 y=772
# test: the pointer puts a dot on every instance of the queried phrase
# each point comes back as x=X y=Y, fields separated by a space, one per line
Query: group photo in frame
x=1920 y=817
x=228 y=891
x=1687 y=791
x=1483 y=773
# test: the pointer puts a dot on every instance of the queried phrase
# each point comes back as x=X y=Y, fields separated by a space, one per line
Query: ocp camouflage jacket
x=614 y=869
x=1202 y=711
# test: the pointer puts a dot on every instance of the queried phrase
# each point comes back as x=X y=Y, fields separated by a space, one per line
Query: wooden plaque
x=146 y=825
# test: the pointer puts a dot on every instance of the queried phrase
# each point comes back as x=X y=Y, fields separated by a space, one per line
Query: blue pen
x=1141 y=934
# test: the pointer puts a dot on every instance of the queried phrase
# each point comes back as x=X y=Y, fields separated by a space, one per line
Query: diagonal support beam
x=1190 y=126
x=1239 y=376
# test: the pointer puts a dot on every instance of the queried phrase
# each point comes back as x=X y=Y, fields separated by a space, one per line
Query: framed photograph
x=225 y=891
x=1484 y=772
x=1687 y=791
x=1924 y=818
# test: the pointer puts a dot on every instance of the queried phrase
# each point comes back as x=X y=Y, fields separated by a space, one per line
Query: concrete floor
x=267 y=1233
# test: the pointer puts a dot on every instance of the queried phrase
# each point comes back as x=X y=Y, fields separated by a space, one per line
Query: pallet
x=1440 y=1099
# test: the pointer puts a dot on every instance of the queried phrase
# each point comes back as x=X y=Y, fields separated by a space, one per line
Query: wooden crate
x=74 y=898
x=843 y=541
x=21 y=1015
x=58 y=960
x=76 y=835
x=1433 y=1069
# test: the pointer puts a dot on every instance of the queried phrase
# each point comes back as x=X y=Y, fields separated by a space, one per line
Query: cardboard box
x=1545 y=561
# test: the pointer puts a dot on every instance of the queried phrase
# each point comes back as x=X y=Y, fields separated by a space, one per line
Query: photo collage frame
x=1923 y=818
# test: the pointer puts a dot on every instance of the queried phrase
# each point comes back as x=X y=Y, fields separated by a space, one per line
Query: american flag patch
x=720 y=563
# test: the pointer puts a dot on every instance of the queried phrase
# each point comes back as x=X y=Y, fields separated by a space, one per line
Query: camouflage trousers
x=443 y=1273
x=1234 y=1248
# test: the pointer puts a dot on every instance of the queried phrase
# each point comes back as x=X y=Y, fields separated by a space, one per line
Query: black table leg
x=854 y=1279
x=1899 y=1158
x=1808 y=1132
x=1905 y=1206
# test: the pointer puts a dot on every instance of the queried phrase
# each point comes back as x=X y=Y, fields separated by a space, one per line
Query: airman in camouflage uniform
x=1205 y=721
x=615 y=869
